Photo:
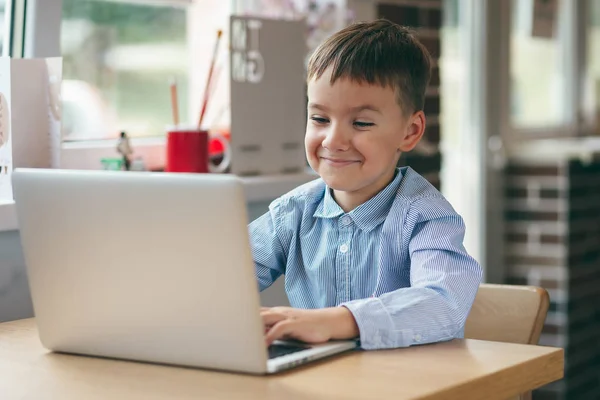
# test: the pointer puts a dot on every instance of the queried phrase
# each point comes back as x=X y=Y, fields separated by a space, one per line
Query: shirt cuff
x=377 y=330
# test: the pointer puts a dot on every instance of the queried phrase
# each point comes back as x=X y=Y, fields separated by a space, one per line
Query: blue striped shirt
x=397 y=261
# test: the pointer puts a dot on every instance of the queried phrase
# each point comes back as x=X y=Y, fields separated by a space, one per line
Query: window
x=118 y=60
x=535 y=66
x=592 y=85
x=452 y=67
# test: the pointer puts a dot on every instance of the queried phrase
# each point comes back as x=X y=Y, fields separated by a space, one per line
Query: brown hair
x=378 y=52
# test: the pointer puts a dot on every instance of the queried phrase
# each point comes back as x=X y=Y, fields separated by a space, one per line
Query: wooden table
x=460 y=369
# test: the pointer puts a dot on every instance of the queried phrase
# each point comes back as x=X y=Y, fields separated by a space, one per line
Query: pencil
x=209 y=78
x=174 y=103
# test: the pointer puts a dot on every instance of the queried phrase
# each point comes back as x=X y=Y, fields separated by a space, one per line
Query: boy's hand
x=310 y=326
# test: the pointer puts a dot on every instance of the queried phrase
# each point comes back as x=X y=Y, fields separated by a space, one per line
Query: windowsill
x=258 y=189
x=269 y=187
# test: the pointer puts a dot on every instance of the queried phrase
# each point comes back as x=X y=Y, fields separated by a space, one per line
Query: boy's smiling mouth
x=338 y=162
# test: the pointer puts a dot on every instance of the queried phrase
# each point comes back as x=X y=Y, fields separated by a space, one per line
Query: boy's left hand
x=310 y=326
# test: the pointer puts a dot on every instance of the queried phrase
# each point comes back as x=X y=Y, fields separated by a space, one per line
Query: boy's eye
x=319 y=120
x=362 y=124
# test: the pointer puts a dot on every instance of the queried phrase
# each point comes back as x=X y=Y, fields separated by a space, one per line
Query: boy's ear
x=414 y=131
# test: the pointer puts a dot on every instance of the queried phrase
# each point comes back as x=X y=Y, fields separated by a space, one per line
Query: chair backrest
x=508 y=313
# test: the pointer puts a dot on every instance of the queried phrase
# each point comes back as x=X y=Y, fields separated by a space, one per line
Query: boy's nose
x=336 y=139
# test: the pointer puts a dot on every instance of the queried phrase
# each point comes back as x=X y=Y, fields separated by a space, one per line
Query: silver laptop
x=149 y=267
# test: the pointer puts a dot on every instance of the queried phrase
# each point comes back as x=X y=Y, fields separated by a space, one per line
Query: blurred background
x=513 y=123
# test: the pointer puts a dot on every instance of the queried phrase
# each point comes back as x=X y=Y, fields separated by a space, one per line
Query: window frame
x=14 y=28
x=14 y=18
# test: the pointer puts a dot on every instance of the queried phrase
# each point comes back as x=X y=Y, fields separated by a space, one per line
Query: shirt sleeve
x=444 y=281
x=267 y=249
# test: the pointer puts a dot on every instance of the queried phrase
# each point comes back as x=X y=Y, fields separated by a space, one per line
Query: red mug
x=188 y=151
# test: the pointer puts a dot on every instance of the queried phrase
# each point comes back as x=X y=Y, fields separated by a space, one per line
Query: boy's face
x=355 y=134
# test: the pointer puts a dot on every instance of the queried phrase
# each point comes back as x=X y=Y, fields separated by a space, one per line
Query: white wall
x=15 y=302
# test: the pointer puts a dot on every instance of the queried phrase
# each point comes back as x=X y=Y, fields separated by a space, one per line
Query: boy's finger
x=271 y=318
x=279 y=331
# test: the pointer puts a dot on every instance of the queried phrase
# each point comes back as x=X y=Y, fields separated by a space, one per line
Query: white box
x=268 y=95
x=30 y=114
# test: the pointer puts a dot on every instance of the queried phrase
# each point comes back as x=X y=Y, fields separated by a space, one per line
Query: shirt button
x=344 y=248
x=417 y=338
x=346 y=220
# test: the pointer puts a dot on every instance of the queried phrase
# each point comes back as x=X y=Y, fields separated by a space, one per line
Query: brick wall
x=553 y=240
x=425 y=18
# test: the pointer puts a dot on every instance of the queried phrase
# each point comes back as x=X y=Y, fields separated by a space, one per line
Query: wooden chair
x=508 y=313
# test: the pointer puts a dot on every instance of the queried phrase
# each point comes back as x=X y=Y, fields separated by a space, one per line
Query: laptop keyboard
x=278 y=350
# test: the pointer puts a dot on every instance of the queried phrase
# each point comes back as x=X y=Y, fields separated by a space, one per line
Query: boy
x=368 y=251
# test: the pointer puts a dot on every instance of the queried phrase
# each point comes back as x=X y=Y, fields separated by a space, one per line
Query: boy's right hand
x=310 y=326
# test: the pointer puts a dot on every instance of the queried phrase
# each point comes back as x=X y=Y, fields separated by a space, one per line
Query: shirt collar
x=328 y=208
x=368 y=215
